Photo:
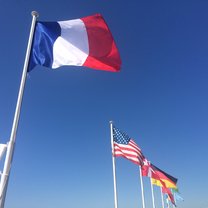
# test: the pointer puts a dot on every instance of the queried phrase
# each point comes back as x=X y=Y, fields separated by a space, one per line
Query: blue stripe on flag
x=45 y=35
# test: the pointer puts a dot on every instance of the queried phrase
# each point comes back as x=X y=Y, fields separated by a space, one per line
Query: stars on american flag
x=120 y=137
x=125 y=147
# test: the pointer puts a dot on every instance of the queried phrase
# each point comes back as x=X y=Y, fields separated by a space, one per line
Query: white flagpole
x=153 y=197
x=11 y=143
x=174 y=196
x=163 y=205
x=114 y=167
x=167 y=201
x=142 y=187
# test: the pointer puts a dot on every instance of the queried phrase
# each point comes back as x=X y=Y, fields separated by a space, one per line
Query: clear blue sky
x=63 y=153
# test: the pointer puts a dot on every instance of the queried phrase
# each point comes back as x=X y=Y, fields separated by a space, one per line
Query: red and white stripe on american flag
x=129 y=151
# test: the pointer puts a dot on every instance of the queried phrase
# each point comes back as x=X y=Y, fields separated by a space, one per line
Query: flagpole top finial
x=111 y=122
x=34 y=13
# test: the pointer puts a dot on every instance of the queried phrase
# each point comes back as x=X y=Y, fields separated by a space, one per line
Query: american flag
x=125 y=147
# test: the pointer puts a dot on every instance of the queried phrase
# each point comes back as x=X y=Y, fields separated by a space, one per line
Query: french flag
x=80 y=42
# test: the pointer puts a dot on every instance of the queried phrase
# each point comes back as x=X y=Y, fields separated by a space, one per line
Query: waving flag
x=80 y=42
x=176 y=194
x=153 y=172
x=167 y=183
x=169 y=180
x=148 y=169
x=125 y=147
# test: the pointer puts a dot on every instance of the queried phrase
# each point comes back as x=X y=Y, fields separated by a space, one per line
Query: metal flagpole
x=142 y=187
x=153 y=197
x=11 y=143
x=167 y=201
x=114 y=167
x=174 y=196
x=163 y=204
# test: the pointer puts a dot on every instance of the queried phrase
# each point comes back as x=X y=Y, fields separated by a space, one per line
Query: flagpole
x=114 y=168
x=174 y=196
x=11 y=143
x=142 y=187
x=153 y=197
x=163 y=205
x=167 y=201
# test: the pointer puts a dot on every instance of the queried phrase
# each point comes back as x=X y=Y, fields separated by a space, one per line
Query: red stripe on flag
x=137 y=162
x=134 y=145
x=127 y=148
x=128 y=152
x=103 y=53
x=119 y=153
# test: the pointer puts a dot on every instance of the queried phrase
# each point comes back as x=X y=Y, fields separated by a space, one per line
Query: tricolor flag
x=148 y=169
x=125 y=147
x=167 y=183
x=169 y=180
x=153 y=172
x=80 y=42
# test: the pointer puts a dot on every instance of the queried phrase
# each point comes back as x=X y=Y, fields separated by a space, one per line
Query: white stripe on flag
x=128 y=152
x=72 y=47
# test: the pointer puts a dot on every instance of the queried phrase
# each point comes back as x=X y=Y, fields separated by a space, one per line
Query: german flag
x=167 y=183
x=169 y=180
x=159 y=176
